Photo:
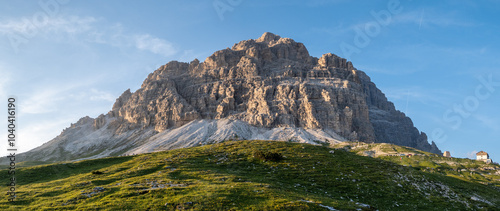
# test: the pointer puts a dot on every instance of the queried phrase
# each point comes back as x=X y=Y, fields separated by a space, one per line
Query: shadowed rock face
x=269 y=82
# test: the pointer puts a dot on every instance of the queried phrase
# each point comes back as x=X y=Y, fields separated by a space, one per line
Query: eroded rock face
x=267 y=83
x=270 y=82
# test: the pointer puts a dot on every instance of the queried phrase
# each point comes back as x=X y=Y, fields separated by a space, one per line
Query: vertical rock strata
x=270 y=82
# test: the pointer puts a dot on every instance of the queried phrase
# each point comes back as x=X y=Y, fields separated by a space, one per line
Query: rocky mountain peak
x=265 y=88
x=268 y=37
x=267 y=48
x=271 y=82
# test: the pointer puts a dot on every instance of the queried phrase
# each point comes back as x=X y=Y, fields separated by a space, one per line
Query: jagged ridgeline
x=267 y=88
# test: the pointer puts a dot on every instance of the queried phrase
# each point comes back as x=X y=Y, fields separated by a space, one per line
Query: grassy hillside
x=246 y=175
x=464 y=169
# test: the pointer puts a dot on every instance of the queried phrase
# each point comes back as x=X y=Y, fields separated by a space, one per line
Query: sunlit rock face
x=269 y=82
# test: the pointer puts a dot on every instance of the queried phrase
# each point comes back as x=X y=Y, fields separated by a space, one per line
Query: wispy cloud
x=417 y=92
x=47 y=99
x=432 y=98
x=428 y=17
x=69 y=25
x=472 y=155
x=87 y=29
x=488 y=121
x=42 y=101
x=421 y=18
x=434 y=54
x=155 y=45
x=116 y=36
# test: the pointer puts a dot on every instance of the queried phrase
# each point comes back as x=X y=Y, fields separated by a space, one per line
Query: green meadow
x=257 y=175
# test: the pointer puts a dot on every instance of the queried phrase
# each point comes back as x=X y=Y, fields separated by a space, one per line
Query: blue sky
x=436 y=60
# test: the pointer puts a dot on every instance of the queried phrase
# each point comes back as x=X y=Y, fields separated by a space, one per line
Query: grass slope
x=239 y=175
x=464 y=169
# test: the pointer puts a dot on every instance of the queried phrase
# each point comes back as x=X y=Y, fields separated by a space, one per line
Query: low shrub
x=268 y=156
x=97 y=172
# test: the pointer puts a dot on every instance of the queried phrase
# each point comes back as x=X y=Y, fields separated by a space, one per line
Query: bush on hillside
x=268 y=156
x=97 y=172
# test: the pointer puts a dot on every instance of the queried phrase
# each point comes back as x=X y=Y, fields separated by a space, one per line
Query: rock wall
x=270 y=82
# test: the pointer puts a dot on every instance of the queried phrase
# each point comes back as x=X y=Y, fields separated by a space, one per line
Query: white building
x=483 y=156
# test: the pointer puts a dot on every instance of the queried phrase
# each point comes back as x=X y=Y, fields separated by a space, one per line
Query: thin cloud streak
x=87 y=29
x=69 y=25
x=421 y=18
x=488 y=122
x=427 y=18
x=433 y=98
x=47 y=99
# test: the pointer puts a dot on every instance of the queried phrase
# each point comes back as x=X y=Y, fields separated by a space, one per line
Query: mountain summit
x=265 y=88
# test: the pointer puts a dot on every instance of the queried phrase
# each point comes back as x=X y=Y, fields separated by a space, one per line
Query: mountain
x=260 y=175
x=268 y=88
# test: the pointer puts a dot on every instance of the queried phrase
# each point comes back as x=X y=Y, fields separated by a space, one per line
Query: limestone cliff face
x=270 y=86
x=270 y=82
